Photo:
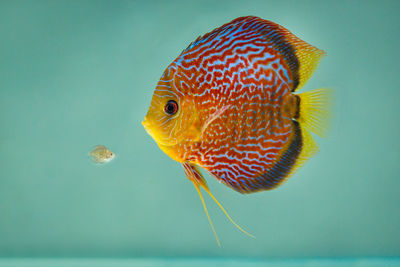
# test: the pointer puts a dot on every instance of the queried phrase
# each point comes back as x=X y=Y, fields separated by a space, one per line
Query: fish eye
x=171 y=107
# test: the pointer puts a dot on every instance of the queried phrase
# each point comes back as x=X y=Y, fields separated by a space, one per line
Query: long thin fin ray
x=206 y=211
x=226 y=213
x=198 y=180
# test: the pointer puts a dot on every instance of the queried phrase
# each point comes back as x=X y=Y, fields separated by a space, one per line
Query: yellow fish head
x=172 y=118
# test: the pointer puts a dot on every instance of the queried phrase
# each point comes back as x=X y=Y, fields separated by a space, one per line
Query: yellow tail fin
x=315 y=107
x=314 y=115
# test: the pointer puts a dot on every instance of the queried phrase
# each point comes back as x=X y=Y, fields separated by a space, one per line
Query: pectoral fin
x=212 y=117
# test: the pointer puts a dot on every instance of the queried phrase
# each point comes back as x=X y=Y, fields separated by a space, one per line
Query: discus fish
x=227 y=104
x=101 y=154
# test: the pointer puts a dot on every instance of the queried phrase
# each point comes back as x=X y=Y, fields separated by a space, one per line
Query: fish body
x=101 y=154
x=227 y=104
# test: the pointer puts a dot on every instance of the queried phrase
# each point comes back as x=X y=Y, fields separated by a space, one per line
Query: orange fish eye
x=171 y=107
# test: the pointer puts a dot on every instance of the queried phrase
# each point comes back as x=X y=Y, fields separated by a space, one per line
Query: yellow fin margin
x=309 y=57
x=309 y=149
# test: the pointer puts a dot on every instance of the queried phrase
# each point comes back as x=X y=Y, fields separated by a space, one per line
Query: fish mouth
x=154 y=134
x=146 y=125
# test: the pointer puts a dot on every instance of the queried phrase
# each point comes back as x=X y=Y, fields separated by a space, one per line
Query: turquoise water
x=74 y=74
x=196 y=262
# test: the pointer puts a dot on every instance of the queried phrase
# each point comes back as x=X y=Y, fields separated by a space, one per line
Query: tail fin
x=315 y=110
x=314 y=115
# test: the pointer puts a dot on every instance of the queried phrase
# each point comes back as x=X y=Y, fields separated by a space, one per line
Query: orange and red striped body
x=227 y=104
x=246 y=72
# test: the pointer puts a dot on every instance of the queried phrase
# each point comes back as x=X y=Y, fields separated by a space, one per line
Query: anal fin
x=308 y=150
x=285 y=165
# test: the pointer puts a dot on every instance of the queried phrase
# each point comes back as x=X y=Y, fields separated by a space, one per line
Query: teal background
x=74 y=74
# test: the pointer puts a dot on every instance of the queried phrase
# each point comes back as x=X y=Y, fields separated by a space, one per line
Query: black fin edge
x=275 y=176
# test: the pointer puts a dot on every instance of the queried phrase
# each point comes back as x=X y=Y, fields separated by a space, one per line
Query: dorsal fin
x=308 y=56
x=301 y=57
